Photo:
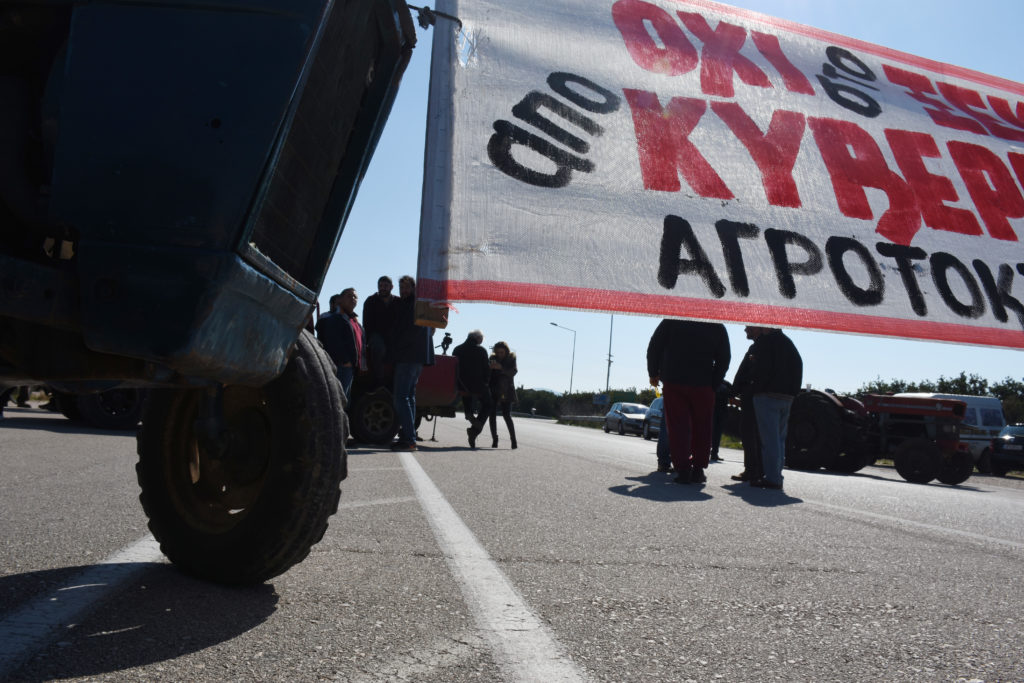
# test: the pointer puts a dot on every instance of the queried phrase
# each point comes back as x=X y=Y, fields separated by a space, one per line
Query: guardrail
x=581 y=418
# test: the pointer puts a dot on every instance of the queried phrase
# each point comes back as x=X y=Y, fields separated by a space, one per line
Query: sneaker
x=472 y=437
x=742 y=476
x=403 y=446
x=664 y=468
x=697 y=476
x=765 y=484
x=683 y=477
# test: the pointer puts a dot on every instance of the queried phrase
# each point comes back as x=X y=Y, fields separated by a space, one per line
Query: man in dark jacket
x=474 y=374
x=342 y=338
x=776 y=371
x=690 y=359
x=412 y=348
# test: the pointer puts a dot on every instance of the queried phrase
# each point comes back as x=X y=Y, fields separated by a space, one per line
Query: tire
x=622 y=429
x=814 y=432
x=985 y=461
x=917 y=460
x=257 y=508
x=67 y=404
x=1000 y=469
x=115 y=409
x=606 y=430
x=853 y=454
x=956 y=468
x=373 y=418
x=647 y=431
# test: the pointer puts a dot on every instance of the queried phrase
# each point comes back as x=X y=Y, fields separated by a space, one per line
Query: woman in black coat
x=503 y=390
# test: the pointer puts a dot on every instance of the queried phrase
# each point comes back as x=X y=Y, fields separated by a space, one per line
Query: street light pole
x=608 y=377
x=572 y=368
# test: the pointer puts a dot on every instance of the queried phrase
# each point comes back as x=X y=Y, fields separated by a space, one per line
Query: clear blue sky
x=382 y=231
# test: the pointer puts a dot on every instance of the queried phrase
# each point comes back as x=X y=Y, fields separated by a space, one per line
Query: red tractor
x=845 y=434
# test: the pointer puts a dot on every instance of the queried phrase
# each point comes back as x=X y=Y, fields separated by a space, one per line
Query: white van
x=983 y=420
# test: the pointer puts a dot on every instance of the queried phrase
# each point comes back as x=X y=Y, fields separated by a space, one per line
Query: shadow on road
x=765 y=498
x=658 y=486
x=158 y=616
x=35 y=420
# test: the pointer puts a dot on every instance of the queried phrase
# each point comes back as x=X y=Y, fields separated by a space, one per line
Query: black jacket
x=410 y=343
x=772 y=366
x=474 y=371
x=689 y=352
x=336 y=335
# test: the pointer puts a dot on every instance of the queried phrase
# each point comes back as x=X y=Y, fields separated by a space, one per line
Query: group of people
x=689 y=359
x=487 y=384
x=387 y=338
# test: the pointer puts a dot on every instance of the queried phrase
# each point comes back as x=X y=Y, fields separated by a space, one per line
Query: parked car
x=983 y=419
x=625 y=417
x=1008 y=450
x=652 y=420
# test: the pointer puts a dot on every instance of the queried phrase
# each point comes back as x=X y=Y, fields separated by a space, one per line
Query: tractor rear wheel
x=917 y=460
x=814 y=432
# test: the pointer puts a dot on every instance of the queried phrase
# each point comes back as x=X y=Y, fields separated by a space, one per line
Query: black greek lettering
x=904 y=256
x=785 y=268
x=678 y=234
x=499 y=149
x=842 y=59
x=999 y=291
x=942 y=263
x=560 y=80
x=729 y=234
x=527 y=110
x=835 y=249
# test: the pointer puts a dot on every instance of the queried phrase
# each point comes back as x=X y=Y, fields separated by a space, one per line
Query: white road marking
x=375 y=501
x=900 y=521
x=523 y=647
x=31 y=627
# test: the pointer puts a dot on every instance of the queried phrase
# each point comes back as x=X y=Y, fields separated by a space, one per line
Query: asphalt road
x=566 y=559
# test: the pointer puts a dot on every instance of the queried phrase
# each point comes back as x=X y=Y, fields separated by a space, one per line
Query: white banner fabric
x=685 y=158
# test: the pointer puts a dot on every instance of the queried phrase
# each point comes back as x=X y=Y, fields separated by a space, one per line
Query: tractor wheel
x=853 y=455
x=917 y=460
x=813 y=433
x=67 y=404
x=114 y=409
x=373 y=418
x=956 y=468
x=244 y=504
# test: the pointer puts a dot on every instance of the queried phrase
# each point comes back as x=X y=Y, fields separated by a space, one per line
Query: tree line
x=1010 y=391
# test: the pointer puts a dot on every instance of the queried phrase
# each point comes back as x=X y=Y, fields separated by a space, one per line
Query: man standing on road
x=690 y=358
x=342 y=337
x=776 y=371
x=474 y=375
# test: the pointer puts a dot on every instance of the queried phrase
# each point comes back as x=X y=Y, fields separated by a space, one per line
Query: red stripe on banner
x=863 y=46
x=603 y=300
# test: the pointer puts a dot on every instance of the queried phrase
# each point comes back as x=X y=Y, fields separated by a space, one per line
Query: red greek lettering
x=991 y=186
x=720 y=56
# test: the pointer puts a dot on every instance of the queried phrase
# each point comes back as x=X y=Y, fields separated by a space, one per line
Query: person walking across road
x=473 y=375
x=503 y=390
x=690 y=359
x=776 y=375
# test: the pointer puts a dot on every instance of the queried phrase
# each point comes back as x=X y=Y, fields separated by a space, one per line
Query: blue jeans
x=406 y=376
x=664 y=459
x=345 y=376
x=772 y=413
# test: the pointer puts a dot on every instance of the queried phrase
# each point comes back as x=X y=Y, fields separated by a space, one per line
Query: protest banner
x=686 y=158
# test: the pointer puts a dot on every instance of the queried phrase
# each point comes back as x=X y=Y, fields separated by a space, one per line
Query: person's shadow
x=660 y=487
x=766 y=498
x=157 y=616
